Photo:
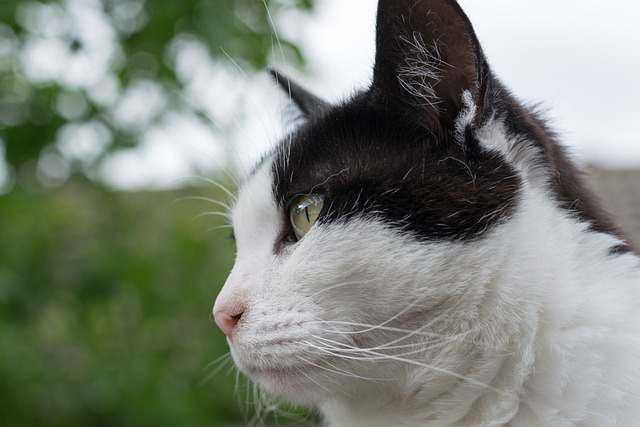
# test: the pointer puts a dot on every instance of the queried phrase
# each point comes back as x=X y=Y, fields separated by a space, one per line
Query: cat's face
x=368 y=240
x=343 y=308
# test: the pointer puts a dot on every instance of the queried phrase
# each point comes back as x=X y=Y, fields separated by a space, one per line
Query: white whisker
x=224 y=215
x=337 y=285
x=251 y=98
x=222 y=362
x=218 y=227
x=368 y=328
x=313 y=380
x=223 y=205
x=216 y=184
x=275 y=32
x=342 y=372
x=370 y=355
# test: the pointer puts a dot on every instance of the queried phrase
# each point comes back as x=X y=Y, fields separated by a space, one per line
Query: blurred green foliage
x=105 y=297
x=105 y=302
x=66 y=66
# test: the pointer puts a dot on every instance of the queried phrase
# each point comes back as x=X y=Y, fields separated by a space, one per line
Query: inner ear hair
x=428 y=55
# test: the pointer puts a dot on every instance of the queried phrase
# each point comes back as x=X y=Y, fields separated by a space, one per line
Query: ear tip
x=281 y=79
x=305 y=100
x=277 y=76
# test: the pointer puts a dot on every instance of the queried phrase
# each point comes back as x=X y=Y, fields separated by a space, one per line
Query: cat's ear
x=427 y=54
x=307 y=102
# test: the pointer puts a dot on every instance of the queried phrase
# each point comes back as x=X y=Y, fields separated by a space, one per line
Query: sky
x=579 y=58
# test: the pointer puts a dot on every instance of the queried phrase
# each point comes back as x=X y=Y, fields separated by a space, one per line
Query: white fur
x=466 y=118
x=535 y=324
x=521 y=153
x=422 y=69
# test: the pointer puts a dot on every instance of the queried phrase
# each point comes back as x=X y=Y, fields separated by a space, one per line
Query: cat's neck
x=556 y=327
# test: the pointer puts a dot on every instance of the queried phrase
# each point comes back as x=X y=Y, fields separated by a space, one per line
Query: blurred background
x=125 y=123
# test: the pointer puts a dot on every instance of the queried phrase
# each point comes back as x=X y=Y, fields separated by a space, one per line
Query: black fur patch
x=375 y=162
x=391 y=153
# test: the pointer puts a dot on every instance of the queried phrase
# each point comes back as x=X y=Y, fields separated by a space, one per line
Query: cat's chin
x=293 y=383
x=267 y=375
x=296 y=383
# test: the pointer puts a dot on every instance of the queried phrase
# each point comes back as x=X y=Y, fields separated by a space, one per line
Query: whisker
x=390 y=319
x=224 y=215
x=436 y=339
x=396 y=316
x=217 y=360
x=337 y=285
x=352 y=349
x=222 y=362
x=223 y=205
x=247 y=395
x=340 y=371
x=312 y=380
x=370 y=355
x=228 y=192
x=251 y=100
x=227 y=226
x=275 y=32
x=201 y=111
x=408 y=333
x=370 y=328
x=258 y=415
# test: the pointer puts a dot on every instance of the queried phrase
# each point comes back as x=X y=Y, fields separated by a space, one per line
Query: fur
x=459 y=273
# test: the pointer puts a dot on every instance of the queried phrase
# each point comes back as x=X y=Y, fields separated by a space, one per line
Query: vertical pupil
x=305 y=208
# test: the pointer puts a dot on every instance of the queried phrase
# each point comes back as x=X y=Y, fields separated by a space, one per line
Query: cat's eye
x=304 y=212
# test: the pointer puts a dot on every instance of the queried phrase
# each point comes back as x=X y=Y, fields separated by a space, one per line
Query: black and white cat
x=424 y=254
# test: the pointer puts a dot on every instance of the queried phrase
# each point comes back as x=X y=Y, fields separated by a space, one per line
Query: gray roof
x=619 y=190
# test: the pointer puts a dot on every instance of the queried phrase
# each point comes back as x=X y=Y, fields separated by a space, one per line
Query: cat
x=426 y=254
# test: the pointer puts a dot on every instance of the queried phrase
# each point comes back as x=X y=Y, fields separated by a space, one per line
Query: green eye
x=304 y=212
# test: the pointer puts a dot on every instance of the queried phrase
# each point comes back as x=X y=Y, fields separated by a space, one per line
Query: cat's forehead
x=346 y=140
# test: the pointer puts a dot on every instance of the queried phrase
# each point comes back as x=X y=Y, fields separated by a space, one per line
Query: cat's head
x=371 y=240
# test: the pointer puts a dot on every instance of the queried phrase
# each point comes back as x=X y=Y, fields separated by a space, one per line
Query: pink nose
x=226 y=321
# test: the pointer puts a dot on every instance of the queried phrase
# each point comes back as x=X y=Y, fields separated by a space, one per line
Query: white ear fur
x=521 y=153
x=466 y=118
